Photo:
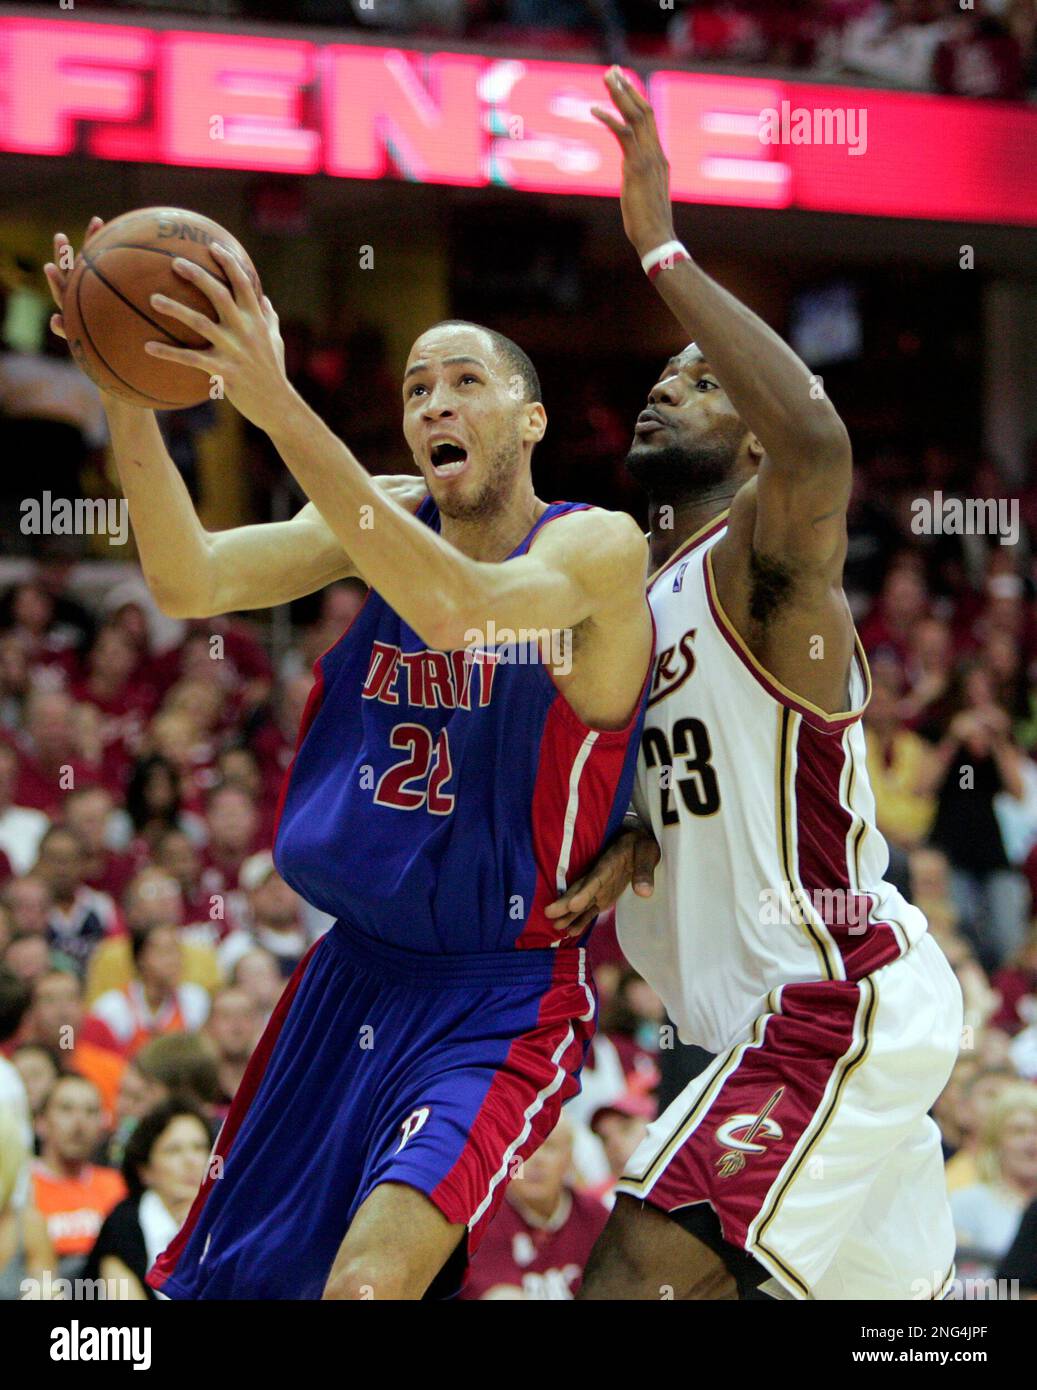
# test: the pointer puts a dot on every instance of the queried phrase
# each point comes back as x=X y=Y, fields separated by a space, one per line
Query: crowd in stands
x=985 y=48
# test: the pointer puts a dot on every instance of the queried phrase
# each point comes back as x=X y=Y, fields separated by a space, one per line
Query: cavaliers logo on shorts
x=739 y=1133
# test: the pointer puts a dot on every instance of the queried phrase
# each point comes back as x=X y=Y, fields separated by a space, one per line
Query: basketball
x=107 y=305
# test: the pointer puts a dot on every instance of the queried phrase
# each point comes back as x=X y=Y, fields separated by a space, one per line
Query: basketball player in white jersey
x=802 y=1163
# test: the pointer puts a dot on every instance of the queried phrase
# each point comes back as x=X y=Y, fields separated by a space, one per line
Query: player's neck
x=493 y=538
x=673 y=522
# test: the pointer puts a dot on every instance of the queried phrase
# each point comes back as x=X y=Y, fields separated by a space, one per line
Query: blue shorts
x=380 y=1065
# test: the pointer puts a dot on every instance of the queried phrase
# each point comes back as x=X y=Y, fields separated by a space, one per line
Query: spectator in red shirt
x=21 y=827
x=226 y=640
x=51 y=758
x=173 y=735
x=177 y=853
x=233 y=825
x=239 y=767
x=88 y=811
x=1016 y=983
x=203 y=699
x=50 y=645
x=631 y=1021
x=114 y=685
x=538 y=1243
x=928 y=703
x=903 y=603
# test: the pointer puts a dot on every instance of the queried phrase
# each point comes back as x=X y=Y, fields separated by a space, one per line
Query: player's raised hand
x=629 y=860
x=245 y=352
x=59 y=269
x=647 y=212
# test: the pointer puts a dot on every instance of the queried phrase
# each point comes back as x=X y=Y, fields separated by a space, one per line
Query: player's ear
x=536 y=423
x=754 y=450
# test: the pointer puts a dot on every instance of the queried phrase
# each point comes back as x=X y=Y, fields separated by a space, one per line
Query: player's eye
x=469 y=376
x=414 y=389
x=706 y=383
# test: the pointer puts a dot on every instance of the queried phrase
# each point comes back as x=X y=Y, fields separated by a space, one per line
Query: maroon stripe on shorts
x=763 y=1108
x=823 y=826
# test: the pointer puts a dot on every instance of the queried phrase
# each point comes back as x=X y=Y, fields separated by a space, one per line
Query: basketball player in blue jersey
x=467 y=750
x=802 y=1162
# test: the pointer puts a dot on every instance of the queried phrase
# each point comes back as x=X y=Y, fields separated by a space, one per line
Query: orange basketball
x=107 y=308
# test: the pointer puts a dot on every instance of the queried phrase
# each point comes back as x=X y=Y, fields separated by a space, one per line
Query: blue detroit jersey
x=439 y=801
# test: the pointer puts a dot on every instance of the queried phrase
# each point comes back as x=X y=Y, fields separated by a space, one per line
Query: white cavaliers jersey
x=772 y=868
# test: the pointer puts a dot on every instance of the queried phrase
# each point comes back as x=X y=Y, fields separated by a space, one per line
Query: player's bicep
x=275 y=562
x=800 y=515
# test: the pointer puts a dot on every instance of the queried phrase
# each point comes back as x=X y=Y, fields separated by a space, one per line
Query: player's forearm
x=772 y=390
x=426 y=581
x=172 y=544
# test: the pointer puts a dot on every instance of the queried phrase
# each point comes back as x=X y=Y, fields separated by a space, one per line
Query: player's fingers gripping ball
x=107 y=311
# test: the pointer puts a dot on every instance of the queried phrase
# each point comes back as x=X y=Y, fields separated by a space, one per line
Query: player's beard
x=493 y=495
x=686 y=472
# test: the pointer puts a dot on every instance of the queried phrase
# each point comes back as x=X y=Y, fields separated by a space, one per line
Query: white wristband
x=669 y=250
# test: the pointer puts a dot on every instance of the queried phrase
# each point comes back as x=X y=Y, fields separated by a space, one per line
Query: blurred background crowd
x=145 y=935
x=984 y=49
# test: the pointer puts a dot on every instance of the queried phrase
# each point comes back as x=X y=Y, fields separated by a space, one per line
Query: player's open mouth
x=447 y=459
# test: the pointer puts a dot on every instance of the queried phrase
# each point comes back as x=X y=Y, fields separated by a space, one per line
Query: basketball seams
x=129 y=281
x=92 y=266
x=169 y=405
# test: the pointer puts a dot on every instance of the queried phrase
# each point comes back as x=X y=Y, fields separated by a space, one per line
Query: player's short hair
x=509 y=351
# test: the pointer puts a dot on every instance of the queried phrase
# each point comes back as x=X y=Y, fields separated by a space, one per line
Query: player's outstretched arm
x=804 y=481
x=583 y=563
x=196 y=573
x=192 y=572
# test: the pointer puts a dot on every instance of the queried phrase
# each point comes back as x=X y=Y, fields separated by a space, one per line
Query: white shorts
x=810 y=1137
